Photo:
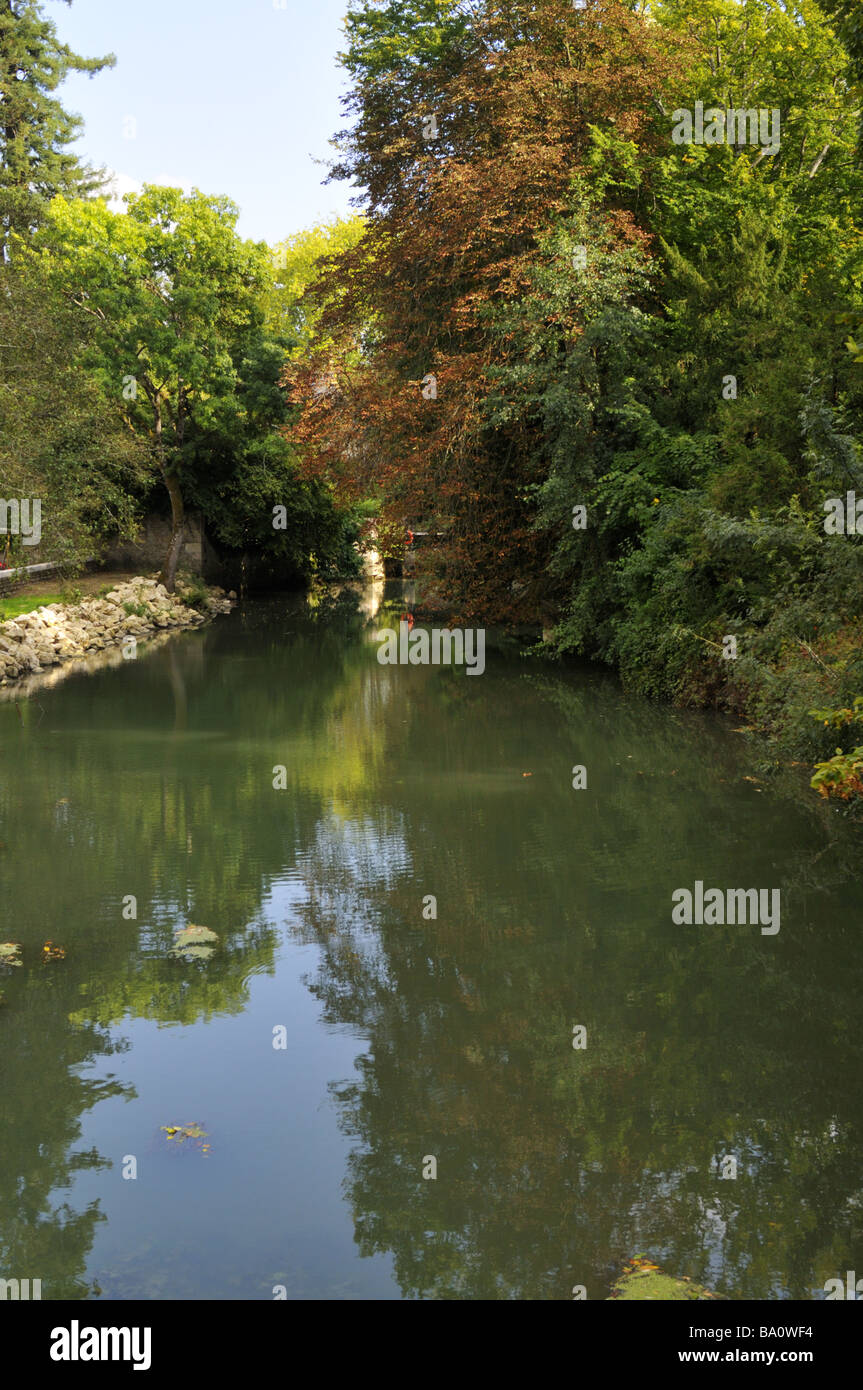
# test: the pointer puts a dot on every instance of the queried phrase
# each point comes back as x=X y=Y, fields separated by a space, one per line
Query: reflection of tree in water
x=555 y=1165
x=47 y=1048
x=164 y=796
x=41 y=1236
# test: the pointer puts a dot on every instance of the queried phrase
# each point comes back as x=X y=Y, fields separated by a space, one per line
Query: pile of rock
x=61 y=632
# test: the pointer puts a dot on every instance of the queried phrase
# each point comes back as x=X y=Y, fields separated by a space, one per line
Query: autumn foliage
x=469 y=161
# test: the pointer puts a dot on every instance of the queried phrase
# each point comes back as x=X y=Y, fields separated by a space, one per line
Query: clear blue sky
x=230 y=96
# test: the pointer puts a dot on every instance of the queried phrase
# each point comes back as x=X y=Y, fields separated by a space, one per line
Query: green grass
x=14 y=607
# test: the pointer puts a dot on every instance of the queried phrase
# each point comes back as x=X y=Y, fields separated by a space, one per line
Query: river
x=415 y=926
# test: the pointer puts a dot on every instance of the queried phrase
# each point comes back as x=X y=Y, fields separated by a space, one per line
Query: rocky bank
x=62 y=632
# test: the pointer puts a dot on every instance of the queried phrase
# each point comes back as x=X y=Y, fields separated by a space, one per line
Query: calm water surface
x=407 y=1038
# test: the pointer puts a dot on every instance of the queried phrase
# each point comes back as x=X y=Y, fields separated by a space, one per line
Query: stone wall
x=148 y=550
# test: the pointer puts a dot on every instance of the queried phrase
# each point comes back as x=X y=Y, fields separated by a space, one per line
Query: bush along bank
x=62 y=632
x=759 y=618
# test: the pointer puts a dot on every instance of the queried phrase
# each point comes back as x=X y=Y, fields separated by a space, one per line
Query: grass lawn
x=14 y=607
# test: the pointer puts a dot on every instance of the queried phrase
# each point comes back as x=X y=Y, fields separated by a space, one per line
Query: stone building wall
x=147 y=552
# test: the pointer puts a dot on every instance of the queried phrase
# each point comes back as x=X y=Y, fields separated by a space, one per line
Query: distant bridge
x=421 y=538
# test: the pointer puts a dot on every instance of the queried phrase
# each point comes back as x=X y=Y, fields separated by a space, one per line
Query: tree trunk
x=178 y=515
x=178 y=532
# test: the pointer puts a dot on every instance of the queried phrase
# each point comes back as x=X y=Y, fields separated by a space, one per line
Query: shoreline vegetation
x=617 y=371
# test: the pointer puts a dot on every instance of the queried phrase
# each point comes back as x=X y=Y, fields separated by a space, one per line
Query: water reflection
x=153 y=781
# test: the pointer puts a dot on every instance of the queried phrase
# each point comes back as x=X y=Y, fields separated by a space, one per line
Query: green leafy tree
x=846 y=18
x=62 y=439
x=300 y=262
x=175 y=296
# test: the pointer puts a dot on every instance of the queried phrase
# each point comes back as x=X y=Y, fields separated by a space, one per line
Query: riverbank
x=121 y=616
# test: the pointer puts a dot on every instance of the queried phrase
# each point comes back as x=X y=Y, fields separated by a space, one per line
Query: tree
x=243 y=476
x=176 y=297
x=35 y=128
x=846 y=18
x=62 y=439
x=300 y=262
x=468 y=159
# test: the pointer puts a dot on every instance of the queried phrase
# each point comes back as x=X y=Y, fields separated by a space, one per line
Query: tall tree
x=62 y=438
x=176 y=299
x=35 y=128
x=468 y=159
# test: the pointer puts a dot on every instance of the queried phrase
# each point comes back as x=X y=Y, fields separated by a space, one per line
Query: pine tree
x=35 y=128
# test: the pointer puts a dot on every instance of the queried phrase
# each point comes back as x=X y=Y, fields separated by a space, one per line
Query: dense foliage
x=577 y=309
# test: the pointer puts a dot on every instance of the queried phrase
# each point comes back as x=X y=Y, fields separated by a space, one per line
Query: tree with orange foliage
x=472 y=159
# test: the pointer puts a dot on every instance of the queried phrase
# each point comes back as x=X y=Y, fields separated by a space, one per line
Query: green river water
x=409 y=1037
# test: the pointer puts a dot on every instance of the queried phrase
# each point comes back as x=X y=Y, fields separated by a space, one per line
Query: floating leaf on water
x=194 y=943
x=193 y=933
x=52 y=952
x=10 y=953
x=178 y=1134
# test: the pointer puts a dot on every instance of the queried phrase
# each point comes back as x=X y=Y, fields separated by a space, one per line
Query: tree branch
x=817 y=165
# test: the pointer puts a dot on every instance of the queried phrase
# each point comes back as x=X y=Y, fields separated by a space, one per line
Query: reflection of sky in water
x=362 y=850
